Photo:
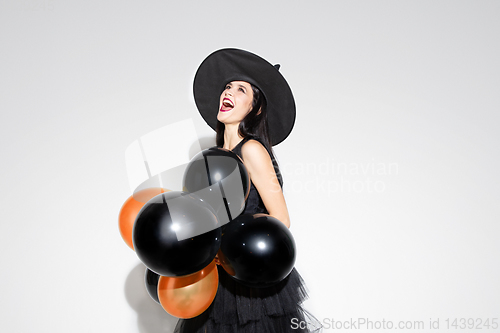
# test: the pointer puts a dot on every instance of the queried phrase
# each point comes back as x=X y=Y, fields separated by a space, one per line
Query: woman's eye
x=227 y=87
x=242 y=90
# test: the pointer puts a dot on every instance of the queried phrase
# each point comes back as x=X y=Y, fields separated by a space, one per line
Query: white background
x=390 y=172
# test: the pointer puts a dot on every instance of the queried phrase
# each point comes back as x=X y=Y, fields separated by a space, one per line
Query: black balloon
x=151 y=279
x=176 y=234
x=219 y=177
x=257 y=250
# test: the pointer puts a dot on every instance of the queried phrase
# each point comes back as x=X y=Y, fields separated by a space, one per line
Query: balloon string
x=225 y=201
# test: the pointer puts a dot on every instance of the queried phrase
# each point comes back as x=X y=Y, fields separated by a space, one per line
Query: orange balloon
x=190 y=295
x=131 y=208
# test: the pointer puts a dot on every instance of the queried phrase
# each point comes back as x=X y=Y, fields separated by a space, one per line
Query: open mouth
x=227 y=105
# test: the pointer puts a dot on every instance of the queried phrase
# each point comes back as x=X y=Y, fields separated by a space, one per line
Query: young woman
x=251 y=107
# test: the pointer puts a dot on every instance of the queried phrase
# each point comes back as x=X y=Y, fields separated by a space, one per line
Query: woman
x=240 y=117
x=251 y=107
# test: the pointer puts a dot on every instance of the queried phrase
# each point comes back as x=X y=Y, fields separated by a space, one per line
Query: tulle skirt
x=240 y=309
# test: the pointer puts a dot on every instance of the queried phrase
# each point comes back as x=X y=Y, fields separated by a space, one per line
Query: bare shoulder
x=254 y=152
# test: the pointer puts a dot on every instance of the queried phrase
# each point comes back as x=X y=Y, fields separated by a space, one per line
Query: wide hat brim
x=228 y=65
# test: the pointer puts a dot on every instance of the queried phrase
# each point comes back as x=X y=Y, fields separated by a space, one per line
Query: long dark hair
x=254 y=124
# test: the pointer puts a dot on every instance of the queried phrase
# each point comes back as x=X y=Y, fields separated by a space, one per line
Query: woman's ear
x=258 y=112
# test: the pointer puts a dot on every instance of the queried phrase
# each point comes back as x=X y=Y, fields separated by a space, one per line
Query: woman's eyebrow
x=242 y=86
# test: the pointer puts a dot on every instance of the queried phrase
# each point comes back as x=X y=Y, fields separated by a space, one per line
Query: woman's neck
x=231 y=136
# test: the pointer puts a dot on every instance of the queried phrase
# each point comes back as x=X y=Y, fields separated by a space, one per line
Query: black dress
x=240 y=309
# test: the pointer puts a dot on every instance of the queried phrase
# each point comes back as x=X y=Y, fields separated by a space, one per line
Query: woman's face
x=235 y=102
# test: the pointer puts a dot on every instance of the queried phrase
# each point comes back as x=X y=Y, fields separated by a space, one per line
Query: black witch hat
x=228 y=65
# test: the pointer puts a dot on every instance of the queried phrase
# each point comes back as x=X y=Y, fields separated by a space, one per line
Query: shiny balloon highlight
x=170 y=234
x=131 y=208
x=257 y=250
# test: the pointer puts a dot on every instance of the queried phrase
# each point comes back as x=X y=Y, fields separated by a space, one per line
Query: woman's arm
x=261 y=171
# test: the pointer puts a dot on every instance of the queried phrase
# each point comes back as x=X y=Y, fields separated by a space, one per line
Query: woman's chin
x=222 y=117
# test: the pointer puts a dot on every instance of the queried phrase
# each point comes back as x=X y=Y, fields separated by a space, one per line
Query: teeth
x=228 y=103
